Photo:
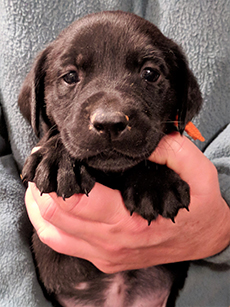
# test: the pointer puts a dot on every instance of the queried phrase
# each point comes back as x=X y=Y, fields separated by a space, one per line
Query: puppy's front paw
x=40 y=167
x=53 y=170
x=150 y=189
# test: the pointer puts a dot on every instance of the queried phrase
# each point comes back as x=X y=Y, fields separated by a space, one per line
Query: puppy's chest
x=121 y=290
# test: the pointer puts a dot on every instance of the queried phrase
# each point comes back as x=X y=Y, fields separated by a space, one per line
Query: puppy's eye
x=150 y=74
x=71 y=77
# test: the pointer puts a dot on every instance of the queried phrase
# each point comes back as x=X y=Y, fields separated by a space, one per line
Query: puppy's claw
x=86 y=192
x=173 y=220
x=25 y=177
x=149 y=222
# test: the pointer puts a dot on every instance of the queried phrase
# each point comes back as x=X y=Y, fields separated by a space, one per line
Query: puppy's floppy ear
x=31 y=97
x=188 y=91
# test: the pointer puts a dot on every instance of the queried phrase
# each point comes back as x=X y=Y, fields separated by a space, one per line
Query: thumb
x=182 y=156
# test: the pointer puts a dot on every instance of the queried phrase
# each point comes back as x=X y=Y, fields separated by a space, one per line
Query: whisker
x=171 y=122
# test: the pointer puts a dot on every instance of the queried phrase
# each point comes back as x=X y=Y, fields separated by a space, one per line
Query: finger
x=44 y=212
x=51 y=213
x=65 y=243
x=48 y=233
x=34 y=213
x=103 y=205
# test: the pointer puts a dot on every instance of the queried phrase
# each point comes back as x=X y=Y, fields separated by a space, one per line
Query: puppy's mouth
x=112 y=156
x=114 y=161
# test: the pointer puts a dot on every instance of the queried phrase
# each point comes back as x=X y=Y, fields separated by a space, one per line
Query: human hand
x=100 y=229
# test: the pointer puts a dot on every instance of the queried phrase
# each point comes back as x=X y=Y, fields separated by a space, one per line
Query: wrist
x=218 y=234
x=223 y=237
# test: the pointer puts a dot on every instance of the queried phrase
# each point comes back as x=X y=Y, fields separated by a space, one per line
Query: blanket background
x=202 y=28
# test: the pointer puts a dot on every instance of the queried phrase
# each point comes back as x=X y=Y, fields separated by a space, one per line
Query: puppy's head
x=112 y=85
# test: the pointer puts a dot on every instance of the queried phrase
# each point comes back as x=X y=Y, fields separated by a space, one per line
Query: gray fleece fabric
x=202 y=28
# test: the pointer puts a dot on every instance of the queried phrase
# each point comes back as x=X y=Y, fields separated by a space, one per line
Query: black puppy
x=101 y=97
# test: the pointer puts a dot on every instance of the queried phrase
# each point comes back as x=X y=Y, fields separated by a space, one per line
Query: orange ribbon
x=192 y=131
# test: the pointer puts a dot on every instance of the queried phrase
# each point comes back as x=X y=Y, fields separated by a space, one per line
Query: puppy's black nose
x=109 y=123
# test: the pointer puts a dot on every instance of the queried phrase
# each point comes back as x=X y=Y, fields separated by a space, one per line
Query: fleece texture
x=202 y=28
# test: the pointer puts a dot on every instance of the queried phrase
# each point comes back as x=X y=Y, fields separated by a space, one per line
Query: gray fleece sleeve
x=219 y=153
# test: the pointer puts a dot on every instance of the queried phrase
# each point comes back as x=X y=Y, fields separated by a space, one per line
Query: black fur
x=101 y=97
